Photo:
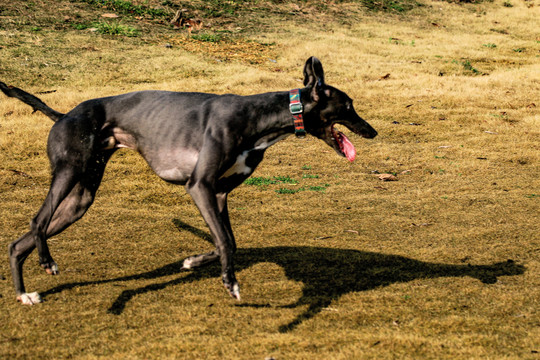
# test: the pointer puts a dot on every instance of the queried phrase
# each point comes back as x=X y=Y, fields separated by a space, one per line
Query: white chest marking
x=239 y=167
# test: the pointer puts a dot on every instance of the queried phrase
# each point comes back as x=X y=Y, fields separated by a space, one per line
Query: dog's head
x=329 y=106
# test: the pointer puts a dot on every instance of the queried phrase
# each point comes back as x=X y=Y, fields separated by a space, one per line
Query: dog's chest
x=244 y=165
x=248 y=160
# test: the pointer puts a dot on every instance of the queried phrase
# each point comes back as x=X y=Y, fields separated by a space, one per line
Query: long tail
x=31 y=100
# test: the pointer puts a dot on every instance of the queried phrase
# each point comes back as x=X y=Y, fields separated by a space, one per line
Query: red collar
x=297 y=111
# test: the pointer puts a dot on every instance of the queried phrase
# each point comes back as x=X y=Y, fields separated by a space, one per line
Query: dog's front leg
x=203 y=192
x=224 y=212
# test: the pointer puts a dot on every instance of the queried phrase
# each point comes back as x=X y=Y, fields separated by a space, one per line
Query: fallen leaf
x=323 y=237
x=352 y=231
x=387 y=177
x=490 y=132
x=110 y=16
x=17 y=172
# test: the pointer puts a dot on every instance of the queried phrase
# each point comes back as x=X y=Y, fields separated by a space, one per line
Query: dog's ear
x=313 y=72
x=314 y=77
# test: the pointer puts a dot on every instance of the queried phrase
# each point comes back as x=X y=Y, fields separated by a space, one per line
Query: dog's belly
x=174 y=166
x=175 y=175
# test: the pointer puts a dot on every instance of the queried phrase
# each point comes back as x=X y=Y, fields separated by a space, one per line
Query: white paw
x=29 y=299
x=54 y=268
x=236 y=292
x=187 y=264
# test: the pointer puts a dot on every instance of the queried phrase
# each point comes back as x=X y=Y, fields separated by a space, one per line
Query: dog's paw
x=234 y=290
x=199 y=260
x=51 y=268
x=187 y=264
x=29 y=299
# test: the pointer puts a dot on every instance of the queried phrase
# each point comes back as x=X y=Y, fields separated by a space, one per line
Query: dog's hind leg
x=18 y=252
x=81 y=197
x=67 y=210
x=62 y=184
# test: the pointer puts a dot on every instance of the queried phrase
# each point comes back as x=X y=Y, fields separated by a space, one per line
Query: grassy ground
x=333 y=262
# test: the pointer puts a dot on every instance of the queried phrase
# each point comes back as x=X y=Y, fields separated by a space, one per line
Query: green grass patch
x=263 y=181
x=127 y=7
x=397 y=6
x=467 y=67
x=287 y=191
x=321 y=188
x=207 y=37
x=116 y=29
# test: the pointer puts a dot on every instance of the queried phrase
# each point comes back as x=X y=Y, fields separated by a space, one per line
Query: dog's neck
x=297 y=111
x=278 y=118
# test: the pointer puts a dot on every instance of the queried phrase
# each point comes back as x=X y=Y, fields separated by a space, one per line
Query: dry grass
x=416 y=268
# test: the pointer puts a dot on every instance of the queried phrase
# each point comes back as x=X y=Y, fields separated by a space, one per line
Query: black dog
x=209 y=143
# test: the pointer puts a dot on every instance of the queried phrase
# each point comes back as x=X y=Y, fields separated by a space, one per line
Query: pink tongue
x=347 y=147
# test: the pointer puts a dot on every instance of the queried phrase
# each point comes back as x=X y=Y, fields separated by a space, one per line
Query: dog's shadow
x=326 y=273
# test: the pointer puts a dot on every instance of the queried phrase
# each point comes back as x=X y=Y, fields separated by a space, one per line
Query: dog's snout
x=365 y=129
x=372 y=132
